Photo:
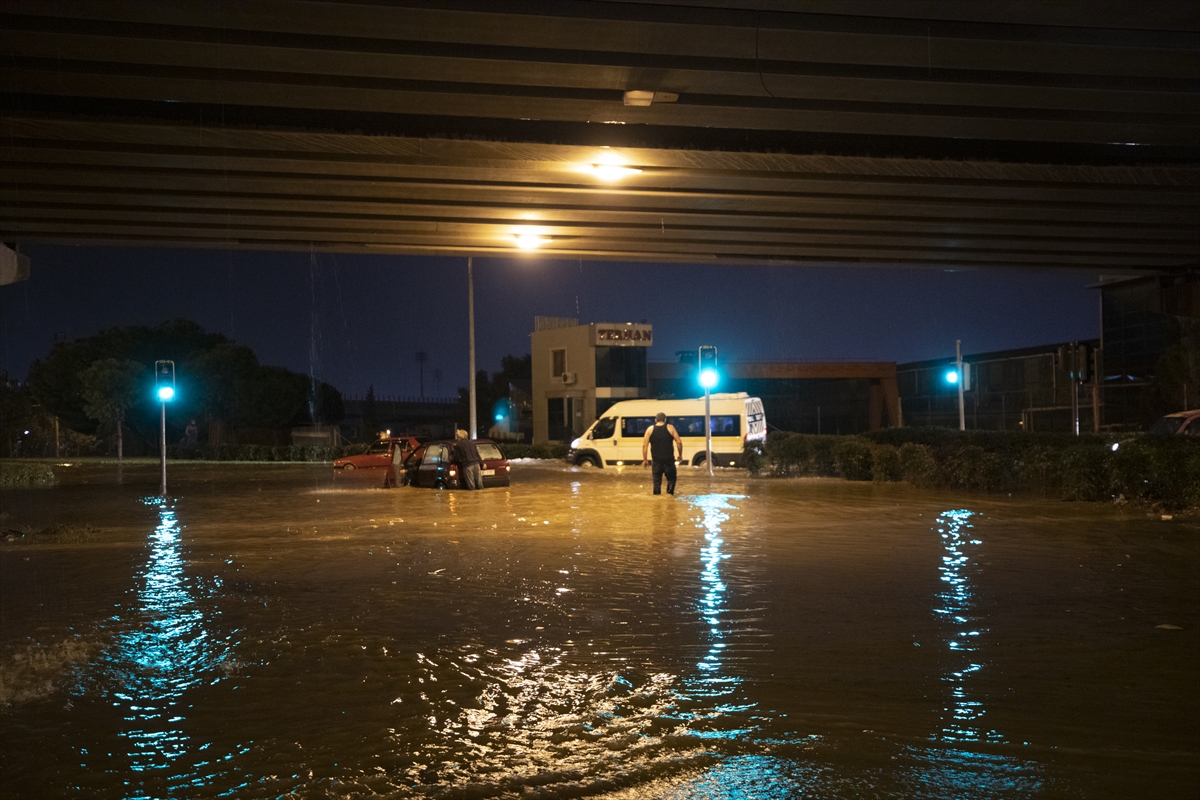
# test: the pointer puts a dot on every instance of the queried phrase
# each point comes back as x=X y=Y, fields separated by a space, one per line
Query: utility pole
x=471 y=334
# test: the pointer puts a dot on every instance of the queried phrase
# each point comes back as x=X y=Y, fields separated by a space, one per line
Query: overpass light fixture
x=531 y=241
x=613 y=172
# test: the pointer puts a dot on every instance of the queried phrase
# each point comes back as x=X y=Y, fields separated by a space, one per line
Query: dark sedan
x=432 y=465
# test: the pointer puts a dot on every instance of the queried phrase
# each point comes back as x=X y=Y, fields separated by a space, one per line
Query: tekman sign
x=607 y=334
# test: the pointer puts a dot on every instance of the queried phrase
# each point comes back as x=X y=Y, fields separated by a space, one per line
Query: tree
x=110 y=387
x=513 y=369
x=218 y=380
x=370 y=413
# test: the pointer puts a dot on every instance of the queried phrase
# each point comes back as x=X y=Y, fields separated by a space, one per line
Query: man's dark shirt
x=467 y=453
x=662 y=444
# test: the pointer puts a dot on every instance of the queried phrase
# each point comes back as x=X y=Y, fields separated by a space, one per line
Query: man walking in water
x=661 y=440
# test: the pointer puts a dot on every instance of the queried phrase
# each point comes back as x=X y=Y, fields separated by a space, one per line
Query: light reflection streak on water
x=955 y=610
x=165 y=652
x=713 y=678
x=711 y=604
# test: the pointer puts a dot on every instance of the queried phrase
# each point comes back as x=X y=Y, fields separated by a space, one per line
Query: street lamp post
x=471 y=335
x=164 y=380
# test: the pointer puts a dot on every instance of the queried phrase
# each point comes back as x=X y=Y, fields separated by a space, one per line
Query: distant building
x=1008 y=390
x=423 y=417
x=579 y=371
x=799 y=396
x=1150 y=329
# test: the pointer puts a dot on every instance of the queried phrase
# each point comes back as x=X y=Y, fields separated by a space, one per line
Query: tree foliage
x=513 y=369
x=110 y=387
x=216 y=379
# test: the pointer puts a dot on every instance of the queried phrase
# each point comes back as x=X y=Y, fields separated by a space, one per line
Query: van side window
x=635 y=427
x=722 y=425
x=604 y=428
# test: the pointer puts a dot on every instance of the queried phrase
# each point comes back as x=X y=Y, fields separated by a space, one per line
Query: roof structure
x=907 y=132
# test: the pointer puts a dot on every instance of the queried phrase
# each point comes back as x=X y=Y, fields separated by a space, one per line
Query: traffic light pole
x=707 y=433
x=162 y=447
x=962 y=411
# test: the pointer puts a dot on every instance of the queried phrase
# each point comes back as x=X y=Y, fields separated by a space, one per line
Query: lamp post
x=164 y=381
x=471 y=335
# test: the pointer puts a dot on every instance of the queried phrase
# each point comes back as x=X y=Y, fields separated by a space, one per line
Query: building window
x=558 y=363
x=621 y=367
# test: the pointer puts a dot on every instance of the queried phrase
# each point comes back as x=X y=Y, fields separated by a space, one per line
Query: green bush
x=917 y=465
x=754 y=455
x=1158 y=470
x=885 y=463
x=25 y=473
x=968 y=467
x=524 y=450
x=801 y=454
x=852 y=456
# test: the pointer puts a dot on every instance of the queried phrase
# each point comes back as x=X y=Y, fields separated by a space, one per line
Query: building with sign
x=581 y=370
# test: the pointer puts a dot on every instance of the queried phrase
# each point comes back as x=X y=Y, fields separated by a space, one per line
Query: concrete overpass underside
x=956 y=135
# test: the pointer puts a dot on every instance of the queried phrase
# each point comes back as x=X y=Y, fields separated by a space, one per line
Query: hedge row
x=1162 y=470
x=523 y=450
x=23 y=473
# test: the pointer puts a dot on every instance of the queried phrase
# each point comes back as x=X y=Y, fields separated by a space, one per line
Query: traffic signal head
x=708 y=374
x=164 y=380
x=952 y=376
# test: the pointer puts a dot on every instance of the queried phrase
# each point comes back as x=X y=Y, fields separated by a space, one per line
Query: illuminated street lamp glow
x=952 y=376
x=613 y=172
x=529 y=241
x=166 y=393
x=708 y=378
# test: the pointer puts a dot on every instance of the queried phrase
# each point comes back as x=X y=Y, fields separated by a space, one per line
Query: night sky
x=356 y=320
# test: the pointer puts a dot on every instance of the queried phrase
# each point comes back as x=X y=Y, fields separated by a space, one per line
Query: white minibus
x=616 y=438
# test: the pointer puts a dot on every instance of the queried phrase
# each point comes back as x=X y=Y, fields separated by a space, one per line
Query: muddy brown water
x=270 y=631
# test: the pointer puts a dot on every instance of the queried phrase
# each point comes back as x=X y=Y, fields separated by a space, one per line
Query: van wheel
x=699 y=460
x=589 y=461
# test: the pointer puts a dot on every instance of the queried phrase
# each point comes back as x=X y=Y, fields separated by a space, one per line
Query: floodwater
x=269 y=631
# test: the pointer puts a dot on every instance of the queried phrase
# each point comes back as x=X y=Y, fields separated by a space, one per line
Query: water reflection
x=961 y=719
x=712 y=681
x=166 y=651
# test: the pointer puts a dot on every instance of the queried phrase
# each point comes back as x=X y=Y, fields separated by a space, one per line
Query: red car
x=380 y=455
x=432 y=466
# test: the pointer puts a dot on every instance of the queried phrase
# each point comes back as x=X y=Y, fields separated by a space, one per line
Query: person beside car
x=467 y=457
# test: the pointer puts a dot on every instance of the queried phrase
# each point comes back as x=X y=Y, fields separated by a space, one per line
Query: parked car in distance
x=1181 y=423
x=379 y=455
x=431 y=465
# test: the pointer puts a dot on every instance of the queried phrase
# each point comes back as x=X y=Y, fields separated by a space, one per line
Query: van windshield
x=604 y=428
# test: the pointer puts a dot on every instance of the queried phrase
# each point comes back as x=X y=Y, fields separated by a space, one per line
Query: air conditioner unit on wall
x=569 y=378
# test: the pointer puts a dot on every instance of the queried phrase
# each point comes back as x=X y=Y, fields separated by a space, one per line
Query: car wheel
x=348 y=468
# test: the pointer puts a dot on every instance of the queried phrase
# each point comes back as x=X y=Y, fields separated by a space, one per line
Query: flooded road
x=269 y=631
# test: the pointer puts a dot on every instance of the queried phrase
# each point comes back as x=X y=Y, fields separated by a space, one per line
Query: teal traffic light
x=164 y=380
x=708 y=375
